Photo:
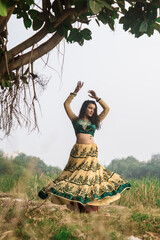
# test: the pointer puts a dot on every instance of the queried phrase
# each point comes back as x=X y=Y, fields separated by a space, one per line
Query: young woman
x=84 y=184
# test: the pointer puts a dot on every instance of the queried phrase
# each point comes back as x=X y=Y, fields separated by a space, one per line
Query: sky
x=124 y=72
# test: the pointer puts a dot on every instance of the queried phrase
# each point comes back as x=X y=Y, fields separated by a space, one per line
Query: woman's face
x=90 y=110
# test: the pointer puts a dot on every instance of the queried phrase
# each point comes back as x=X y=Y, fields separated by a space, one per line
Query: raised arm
x=105 y=111
x=104 y=105
x=67 y=107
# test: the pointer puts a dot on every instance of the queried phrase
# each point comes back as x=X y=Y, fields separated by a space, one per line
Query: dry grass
x=29 y=220
x=136 y=213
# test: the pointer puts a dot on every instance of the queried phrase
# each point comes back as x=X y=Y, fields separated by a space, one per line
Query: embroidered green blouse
x=80 y=125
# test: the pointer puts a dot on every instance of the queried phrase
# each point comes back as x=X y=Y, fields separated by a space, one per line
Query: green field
x=137 y=213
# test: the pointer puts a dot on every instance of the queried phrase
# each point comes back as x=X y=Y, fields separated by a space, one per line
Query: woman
x=84 y=184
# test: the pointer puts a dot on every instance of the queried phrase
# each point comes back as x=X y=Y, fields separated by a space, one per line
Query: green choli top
x=80 y=125
x=83 y=126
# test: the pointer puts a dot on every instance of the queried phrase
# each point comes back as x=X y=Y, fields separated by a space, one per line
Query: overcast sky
x=124 y=72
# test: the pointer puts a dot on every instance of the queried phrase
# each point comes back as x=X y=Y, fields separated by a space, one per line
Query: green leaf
x=81 y=42
x=3 y=83
x=157 y=27
x=19 y=15
x=73 y=34
x=13 y=75
x=95 y=6
x=33 y=13
x=105 y=4
x=111 y=23
x=37 y=24
x=3 y=8
x=158 y=19
x=122 y=20
x=143 y=27
x=29 y=2
x=27 y=22
x=27 y=70
x=8 y=84
x=16 y=10
x=103 y=17
x=86 y=33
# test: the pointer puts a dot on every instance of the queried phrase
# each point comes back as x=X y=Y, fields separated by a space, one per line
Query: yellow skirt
x=84 y=180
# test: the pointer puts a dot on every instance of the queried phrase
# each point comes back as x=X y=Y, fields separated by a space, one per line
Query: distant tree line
x=130 y=167
x=22 y=163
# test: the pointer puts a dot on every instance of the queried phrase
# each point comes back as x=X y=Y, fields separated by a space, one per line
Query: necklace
x=84 y=123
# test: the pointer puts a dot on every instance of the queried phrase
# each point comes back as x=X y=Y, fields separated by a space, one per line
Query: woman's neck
x=85 y=118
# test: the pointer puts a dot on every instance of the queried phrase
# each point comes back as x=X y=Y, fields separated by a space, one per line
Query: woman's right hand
x=79 y=86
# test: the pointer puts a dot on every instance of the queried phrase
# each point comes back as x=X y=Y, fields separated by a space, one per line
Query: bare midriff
x=83 y=138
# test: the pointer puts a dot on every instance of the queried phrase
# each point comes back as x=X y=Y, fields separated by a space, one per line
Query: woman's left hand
x=92 y=94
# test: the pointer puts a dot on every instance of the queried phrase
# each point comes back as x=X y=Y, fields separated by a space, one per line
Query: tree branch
x=38 y=36
x=16 y=62
x=37 y=53
x=27 y=43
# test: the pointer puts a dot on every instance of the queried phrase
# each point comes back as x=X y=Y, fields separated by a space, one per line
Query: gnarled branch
x=18 y=61
x=37 y=53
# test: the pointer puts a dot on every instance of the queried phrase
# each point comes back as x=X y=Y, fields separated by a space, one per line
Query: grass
x=111 y=222
x=144 y=191
x=136 y=213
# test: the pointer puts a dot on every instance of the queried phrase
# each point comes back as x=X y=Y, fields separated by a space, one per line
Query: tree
x=57 y=19
x=130 y=167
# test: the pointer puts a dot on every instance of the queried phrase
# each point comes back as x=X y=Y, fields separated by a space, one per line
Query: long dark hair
x=94 y=119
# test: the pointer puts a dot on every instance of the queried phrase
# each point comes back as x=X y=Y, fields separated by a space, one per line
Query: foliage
x=130 y=167
x=21 y=162
x=63 y=233
x=32 y=171
x=58 y=19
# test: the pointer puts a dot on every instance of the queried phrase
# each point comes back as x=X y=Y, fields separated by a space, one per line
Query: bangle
x=98 y=99
x=73 y=93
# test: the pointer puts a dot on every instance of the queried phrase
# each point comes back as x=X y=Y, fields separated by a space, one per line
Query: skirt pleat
x=84 y=180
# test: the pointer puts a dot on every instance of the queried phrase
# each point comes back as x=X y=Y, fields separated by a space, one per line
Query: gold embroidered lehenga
x=84 y=180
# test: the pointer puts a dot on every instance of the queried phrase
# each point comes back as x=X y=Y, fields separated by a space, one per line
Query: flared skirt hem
x=64 y=198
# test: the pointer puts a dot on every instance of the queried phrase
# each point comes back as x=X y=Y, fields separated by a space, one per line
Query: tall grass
x=144 y=191
x=27 y=220
x=27 y=183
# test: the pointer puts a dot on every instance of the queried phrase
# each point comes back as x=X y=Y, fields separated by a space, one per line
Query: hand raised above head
x=92 y=94
x=79 y=86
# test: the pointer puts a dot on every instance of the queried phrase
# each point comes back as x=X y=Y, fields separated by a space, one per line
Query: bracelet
x=73 y=93
x=98 y=99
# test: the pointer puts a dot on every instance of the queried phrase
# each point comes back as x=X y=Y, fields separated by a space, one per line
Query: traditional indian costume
x=83 y=179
